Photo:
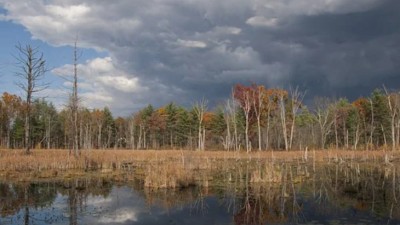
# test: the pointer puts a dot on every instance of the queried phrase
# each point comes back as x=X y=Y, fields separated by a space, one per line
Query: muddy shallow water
x=330 y=194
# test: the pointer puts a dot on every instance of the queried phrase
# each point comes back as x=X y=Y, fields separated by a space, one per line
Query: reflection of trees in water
x=78 y=191
x=336 y=188
x=361 y=187
x=168 y=198
x=330 y=190
x=259 y=203
x=15 y=197
x=249 y=203
x=260 y=206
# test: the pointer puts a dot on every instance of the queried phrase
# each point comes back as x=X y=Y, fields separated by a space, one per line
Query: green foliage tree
x=381 y=120
x=109 y=128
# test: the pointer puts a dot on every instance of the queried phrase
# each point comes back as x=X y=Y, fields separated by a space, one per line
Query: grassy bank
x=164 y=168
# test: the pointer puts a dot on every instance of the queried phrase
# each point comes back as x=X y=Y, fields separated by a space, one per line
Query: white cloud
x=100 y=82
x=227 y=30
x=71 y=13
x=191 y=44
x=101 y=65
x=96 y=99
x=121 y=83
x=101 y=72
x=260 y=21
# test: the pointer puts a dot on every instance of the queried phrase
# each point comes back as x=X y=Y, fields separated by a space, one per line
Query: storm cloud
x=183 y=50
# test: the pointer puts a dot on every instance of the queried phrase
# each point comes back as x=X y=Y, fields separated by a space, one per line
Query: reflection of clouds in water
x=126 y=206
x=119 y=216
x=98 y=201
x=121 y=206
x=59 y=203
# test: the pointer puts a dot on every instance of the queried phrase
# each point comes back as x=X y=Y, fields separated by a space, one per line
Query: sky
x=140 y=52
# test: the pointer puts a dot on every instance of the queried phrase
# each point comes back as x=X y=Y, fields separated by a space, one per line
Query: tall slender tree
x=200 y=108
x=75 y=104
x=393 y=101
x=244 y=96
x=323 y=118
x=296 y=101
x=282 y=103
x=32 y=68
x=258 y=104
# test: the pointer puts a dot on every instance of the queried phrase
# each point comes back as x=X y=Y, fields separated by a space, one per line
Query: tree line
x=253 y=118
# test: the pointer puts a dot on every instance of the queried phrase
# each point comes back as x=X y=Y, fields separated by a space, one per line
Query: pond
x=329 y=194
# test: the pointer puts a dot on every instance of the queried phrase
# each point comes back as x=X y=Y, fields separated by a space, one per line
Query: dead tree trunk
x=32 y=71
x=258 y=104
x=297 y=99
x=392 y=103
x=199 y=109
x=246 y=109
x=283 y=121
x=74 y=105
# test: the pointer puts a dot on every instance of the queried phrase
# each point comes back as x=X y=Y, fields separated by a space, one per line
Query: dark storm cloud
x=338 y=54
x=174 y=50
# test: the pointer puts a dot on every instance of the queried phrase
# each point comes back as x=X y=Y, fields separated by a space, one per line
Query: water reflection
x=346 y=193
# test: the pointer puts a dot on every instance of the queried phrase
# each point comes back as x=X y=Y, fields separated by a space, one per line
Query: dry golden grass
x=164 y=168
x=17 y=160
x=168 y=176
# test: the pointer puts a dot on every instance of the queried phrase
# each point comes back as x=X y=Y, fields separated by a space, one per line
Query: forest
x=252 y=118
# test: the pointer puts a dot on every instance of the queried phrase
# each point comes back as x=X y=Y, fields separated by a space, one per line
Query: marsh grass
x=172 y=168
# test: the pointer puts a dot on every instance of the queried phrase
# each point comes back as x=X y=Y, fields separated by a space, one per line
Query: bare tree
x=393 y=101
x=234 y=120
x=228 y=115
x=335 y=122
x=283 y=119
x=231 y=139
x=297 y=99
x=98 y=119
x=132 y=132
x=199 y=109
x=246 y=109
x=357 y=132
x=322 y=114
x=258 y=101
x=75 y=104
x=372 y=124
x=31 y=72
x=269 y=107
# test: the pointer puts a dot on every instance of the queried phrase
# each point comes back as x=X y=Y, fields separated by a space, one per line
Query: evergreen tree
x=109 y=128
x=381 y=118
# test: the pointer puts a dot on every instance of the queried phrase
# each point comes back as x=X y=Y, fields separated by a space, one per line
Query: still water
x=334 y=194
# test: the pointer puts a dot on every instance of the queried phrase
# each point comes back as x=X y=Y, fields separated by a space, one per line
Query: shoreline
x=162 y=168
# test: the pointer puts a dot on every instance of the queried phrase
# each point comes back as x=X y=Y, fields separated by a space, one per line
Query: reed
x=16 y=160
x=170 y=168
x=168 y=176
